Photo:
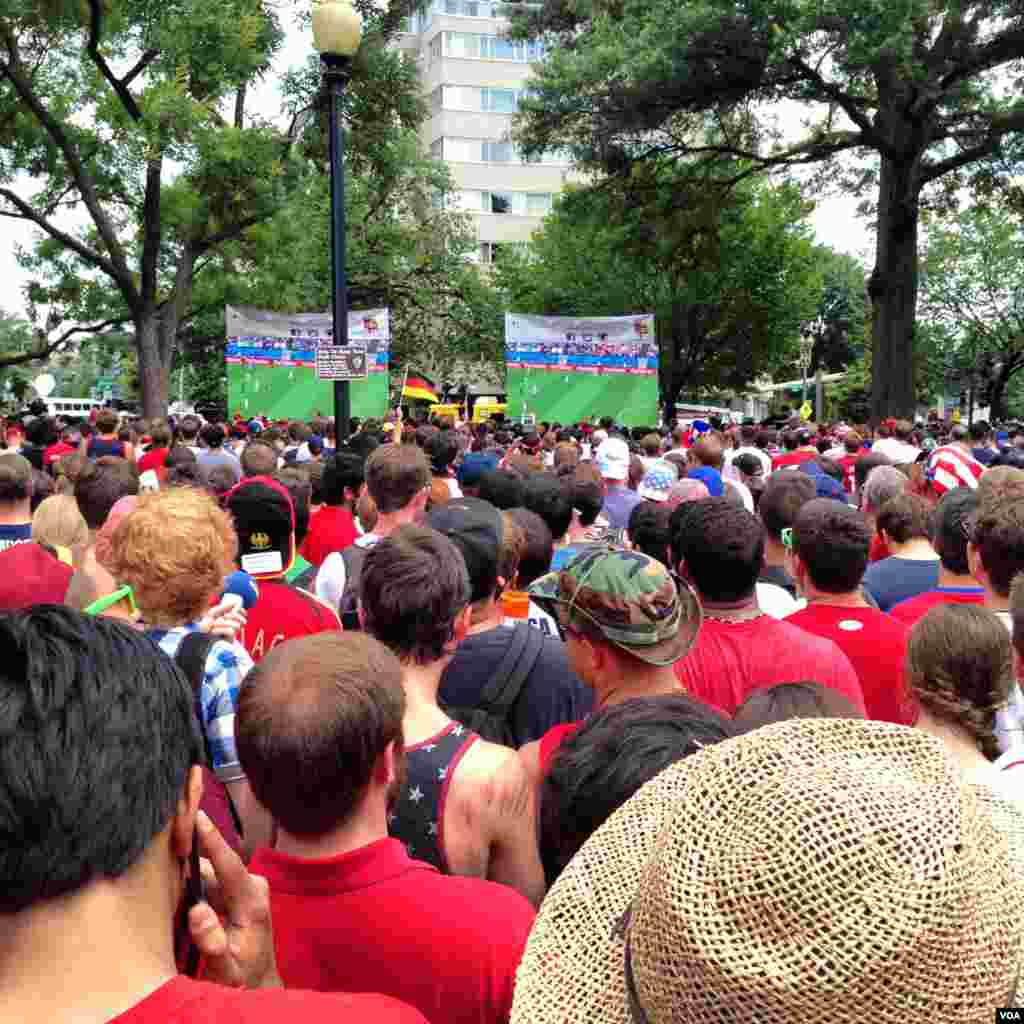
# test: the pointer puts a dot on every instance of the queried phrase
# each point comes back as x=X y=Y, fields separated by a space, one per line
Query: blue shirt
x=895 y=579
x=227 y=664
x=619 y=503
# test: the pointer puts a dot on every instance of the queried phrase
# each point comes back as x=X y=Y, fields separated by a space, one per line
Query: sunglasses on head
x=99 y=606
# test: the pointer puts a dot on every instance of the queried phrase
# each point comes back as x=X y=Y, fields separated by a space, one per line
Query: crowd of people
x=482 y=723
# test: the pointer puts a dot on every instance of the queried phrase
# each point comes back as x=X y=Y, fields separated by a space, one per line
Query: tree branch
x=116 y=266
x=843 y=100
x=93 y=48
x=144 y=61
x=27 y=212
x=50 y=347
x=997 y=128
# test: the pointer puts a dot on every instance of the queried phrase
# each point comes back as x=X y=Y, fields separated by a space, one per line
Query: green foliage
x=404 y=250
x=920 y=94
x=133 y=115
x=729 y=273
x=972 y=285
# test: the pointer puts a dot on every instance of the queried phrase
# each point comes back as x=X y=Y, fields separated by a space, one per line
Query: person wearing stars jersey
x=320 y=731
x=467 y=805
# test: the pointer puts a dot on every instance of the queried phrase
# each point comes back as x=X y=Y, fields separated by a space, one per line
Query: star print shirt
x=417 y=819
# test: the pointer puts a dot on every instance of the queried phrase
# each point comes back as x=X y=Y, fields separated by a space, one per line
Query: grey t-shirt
x=213 y=457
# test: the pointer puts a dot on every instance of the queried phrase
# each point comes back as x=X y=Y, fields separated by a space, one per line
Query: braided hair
x=960 y=666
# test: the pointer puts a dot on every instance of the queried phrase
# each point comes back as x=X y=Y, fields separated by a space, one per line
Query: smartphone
x=186 y=953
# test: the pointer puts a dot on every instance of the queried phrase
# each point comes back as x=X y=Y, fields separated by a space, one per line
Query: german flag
x=419 y=387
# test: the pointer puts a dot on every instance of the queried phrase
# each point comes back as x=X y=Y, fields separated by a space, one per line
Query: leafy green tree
x=917 y=92
x=406 y=250
x=972 y=296
x=730 y=275
x=133 y=114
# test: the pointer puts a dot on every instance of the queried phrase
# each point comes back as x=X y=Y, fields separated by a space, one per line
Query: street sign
x=806 y=411
x=341 y=362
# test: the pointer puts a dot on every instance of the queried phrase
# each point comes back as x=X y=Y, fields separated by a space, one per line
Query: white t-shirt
x=544 y=622
x=1010 y=720
x=899 y=451
x=330 y=580
x=776 y=601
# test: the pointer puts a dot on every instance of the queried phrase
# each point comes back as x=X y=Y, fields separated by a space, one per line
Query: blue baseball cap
x=474 y=466
x=710 y=478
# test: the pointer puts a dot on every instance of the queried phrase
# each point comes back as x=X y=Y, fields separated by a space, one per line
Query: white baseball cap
x=613 y=459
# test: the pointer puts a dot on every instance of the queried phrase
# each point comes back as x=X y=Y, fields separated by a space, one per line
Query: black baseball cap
x=476 y=528
x=265 y=523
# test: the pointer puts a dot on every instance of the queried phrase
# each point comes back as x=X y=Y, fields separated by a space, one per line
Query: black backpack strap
x=503 y=688
x=348 y=607
x=190 y=657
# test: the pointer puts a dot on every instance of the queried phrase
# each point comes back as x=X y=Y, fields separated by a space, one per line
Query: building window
x=538 y=204
x=474 y=46
x=498 y=202
x=498 y=152
x=499 y=101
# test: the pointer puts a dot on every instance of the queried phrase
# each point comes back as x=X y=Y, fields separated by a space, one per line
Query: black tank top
x=98 y=447
x=417 y=819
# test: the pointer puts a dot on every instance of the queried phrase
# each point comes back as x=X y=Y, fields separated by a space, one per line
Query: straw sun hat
x=820 y=869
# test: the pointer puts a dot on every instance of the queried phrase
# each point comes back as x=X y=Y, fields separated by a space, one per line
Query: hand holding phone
x=231 y=927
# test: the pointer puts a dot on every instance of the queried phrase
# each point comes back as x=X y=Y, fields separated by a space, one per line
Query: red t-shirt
x=331 y=529
x=281 y=613
x=550 y=742
x=376 y=919
x=57 y=451
x=154 y=460
x=876 y=645
x=184 y=1001
x=797 y=458
x=848 y=462
x=914 y=608
x=879 y=549
x=732 y=659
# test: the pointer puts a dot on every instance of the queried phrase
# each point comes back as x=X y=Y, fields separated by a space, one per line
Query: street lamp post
x=337 y=31
x=806 y=348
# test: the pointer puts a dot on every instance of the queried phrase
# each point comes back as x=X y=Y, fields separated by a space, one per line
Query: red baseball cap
x=30 y=575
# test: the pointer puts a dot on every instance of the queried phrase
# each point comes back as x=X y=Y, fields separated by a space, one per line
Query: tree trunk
x=997 y=406
x=893 y=291
x=154 y=371
x=156 y=333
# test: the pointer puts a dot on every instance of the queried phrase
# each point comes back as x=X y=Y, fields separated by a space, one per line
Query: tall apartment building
x=473 y=78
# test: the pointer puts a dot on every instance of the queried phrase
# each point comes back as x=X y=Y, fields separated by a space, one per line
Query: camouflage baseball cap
x=630 y=597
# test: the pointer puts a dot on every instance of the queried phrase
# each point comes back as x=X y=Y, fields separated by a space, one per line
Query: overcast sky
x=834 y=220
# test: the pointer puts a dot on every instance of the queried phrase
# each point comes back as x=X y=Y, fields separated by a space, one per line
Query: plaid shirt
x=227 y=665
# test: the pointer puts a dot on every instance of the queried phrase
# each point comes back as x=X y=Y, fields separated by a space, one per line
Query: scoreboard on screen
x=564 y=368
x=271 y=362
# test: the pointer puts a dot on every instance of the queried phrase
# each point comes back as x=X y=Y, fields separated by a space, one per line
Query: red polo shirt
x=184 y=1001
x=374 y=919
x=876 y=645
